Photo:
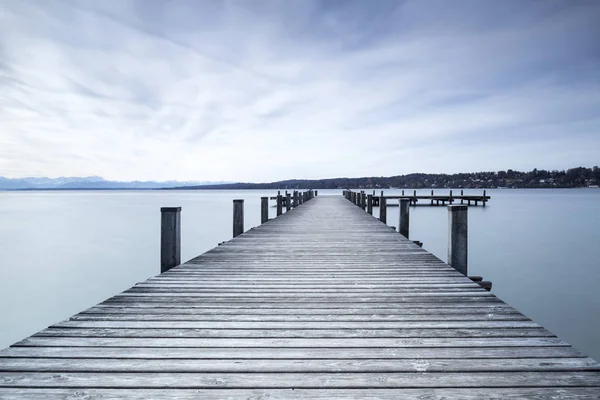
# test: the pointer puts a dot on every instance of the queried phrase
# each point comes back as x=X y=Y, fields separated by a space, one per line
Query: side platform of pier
x=322 y=302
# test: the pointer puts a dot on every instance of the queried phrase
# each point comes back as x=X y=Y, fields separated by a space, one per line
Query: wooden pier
x=322 y=302
x=435 y=199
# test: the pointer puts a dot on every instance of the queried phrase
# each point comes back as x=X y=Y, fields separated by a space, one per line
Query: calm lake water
x=62 y=252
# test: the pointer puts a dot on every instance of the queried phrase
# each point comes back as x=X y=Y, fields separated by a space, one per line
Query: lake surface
x=62 y=252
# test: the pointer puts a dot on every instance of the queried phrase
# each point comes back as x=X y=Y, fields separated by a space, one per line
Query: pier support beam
x=382 y=209
x=170 y=238
x=279 y=205
x=370 y=204
x=458 y=237
x=238 y=217
x=264 y=209
x=403 y=223
x=288 y=202
x=363 y=200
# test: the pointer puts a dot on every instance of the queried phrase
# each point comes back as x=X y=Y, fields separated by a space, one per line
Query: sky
x=278 y=89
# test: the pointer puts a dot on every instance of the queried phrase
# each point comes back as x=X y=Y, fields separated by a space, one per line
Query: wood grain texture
x=322 y=302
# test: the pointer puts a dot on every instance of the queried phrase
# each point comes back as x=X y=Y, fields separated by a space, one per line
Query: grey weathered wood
x=370 y=204
x=363 y=200
x=170 y=238
x=325 y=302
x=128 y=380
x=295 y=203
x=404 y=222
x=264 y=209
x=382 y=209
x=458 y=238
x=288 y=202
x=279 y=205
x=238 y=217
x=534 y=393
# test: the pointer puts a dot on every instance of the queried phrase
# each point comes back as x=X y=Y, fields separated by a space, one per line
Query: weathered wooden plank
x=314 y=321
x=290 y=365
x=292 y=342
x=300 y=380
x=295 y=333
x=392 y=353
x=571 y=393
x=144 y=309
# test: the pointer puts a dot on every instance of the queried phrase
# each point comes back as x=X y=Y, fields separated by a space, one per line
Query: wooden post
x=458 y=237
x=279 y=205
x=238 y=217
x=295 y=204
x=450 y=200
x=461 y=200
x=484 y=200
x=170 y=238
x=288 y=202
x=402 y=192
x=316 y=193
x=370 y=204
x=431 y=196
x=363 y=200
x=382 y=209
x=264 y=209
x=403 y=224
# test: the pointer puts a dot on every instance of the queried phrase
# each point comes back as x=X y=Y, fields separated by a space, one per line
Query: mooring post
x=288 y=202
x=450 y=200
x=238 y=217
x=403 y=224
x=363 y=200
x=458 y=237
x=279 y=205
x=264 y=209
x=461 y=194
x=370 y=204
x=382 y=209
x=316 y=193
x=402 y=192
x=170 y=238
x=431 y=196
x=295 y=203
x=484 y=200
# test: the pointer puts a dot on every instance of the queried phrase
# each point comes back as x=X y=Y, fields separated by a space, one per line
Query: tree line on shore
x=537 y=178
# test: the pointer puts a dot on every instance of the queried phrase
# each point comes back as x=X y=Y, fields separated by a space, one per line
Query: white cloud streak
x=261 y=91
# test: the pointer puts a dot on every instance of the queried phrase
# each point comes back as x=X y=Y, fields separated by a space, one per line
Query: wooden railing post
x=458 y=237
x=264 y=209
x=279 y=205
x=295 y=198
x=403 y=224
x=363 y=200
x=370 y=204
x=170 y=238
x=382 y=209
x=288 y=202
x=238 y=217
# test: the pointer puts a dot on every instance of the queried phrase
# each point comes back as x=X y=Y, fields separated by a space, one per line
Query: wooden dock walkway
x=322 y=302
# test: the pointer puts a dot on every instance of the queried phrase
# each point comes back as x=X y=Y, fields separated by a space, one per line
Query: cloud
x=267 y=90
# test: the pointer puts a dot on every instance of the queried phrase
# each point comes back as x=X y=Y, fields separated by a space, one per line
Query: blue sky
x=268 y=90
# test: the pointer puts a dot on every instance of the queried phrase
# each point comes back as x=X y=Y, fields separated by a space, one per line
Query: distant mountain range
x=91 y=182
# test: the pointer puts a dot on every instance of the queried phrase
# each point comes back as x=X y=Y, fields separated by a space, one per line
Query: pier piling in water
x=403 y=223
x=264 y=209
x=382 y=209
x=458 y=237
x=238 y=217
x=170 y=238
